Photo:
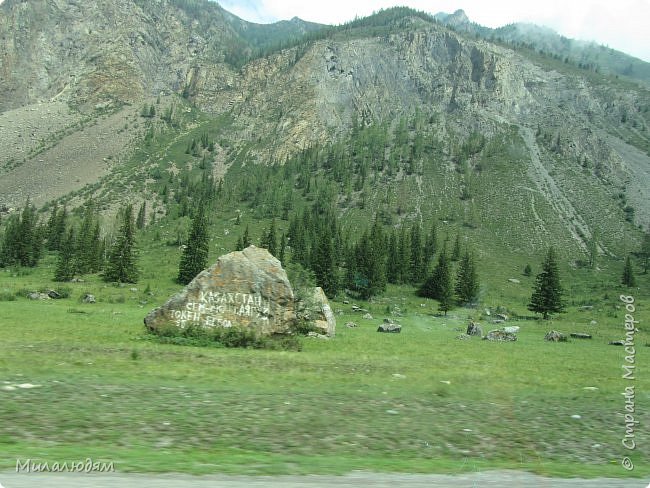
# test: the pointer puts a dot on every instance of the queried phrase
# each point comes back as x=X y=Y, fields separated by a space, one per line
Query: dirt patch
x=79 y=156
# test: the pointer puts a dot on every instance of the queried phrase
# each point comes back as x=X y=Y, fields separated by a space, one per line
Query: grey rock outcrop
x=248 y=289
x=500 y=335
x=389 y=326
x=555 y=336
x=474 y=329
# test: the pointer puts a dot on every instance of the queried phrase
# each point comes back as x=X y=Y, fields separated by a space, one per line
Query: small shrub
x=7 y=296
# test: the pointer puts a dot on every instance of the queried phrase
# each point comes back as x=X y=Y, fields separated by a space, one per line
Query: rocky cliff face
x=574 y=133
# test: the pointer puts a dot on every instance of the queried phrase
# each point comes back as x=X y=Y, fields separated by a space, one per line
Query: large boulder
x=319 y=313
x=248 y=289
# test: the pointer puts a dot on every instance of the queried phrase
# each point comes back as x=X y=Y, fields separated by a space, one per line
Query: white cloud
x=621 y=25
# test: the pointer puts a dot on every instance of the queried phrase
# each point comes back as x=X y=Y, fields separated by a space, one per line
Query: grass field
x=420 y=401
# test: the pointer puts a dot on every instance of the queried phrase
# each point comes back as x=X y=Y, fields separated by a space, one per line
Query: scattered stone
x=474 y=329
x=89 y=298
x=593 y=322
x=133 y=290
x=555 y=336
x=38 y=296
x=501 y=316
x=617 y=343
x=463 y=337
x=512 y=329
x=248 y=289
x=398 y=375
x=367 y=316
x=576 y=416
x=390 y=327
x=497 y=321
x=316 y=335
x=514 y=280
x=590 y=388
x=584 y=308
x=500 y=335
x=351 y=325
x=346 y=302
x=27 y=386
x=392 y=412
x=487 y=312
x=446 y=382
x=580 y=335
x=54 y=295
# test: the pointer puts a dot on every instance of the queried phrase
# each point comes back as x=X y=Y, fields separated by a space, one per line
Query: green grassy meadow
x=421 y=401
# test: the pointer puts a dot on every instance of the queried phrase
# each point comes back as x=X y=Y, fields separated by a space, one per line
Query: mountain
x=586 y=55
x=400 y=114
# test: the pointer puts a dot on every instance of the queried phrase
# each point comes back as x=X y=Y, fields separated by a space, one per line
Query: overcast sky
x=621 y=24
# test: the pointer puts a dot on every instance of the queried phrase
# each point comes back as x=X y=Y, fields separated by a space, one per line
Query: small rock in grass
x=392 y=412
x=555 y=336
x=580 y=335
x=576 y=416
x=351 y=325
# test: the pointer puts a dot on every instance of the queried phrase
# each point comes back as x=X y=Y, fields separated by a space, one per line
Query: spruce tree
x=417 y=261
x=269 y=240
x=88 y=242
x=121 y=265
x=8 y=246
x=195 y=254
x=65 y=265
x=628 y=273
x=547 y=295
x=142 y=213
x=283 y=248
x=467 y=283
x=438 y=285
x=645 y=252
x=393 y=260
x=246 y=239
x=323 y=264
x=430 y=246
x=455 y=253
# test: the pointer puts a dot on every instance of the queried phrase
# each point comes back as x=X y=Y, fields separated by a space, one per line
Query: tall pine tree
x=547 y=295
x=195 y=254
x=65 y=265
x=628 y=273
x=121 y=265
x=467 y=283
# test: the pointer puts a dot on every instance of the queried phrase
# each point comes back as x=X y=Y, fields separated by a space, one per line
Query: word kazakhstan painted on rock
x=211 y=304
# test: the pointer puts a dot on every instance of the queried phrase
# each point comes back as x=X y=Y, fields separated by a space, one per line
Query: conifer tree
x=323 y=264
x=439 y=285
x=246 y=239
x=628 y=273
x=239 y=245
x=56 y=225
x=88 y=242
x=467 y=283
x=8 y=247
x=393 y=260
x=121 y=265
x=195 y=254
x=65 y=265
x=417 y=262
x=140 y=221
x=283 y=248
x=269 y=240
x=455 y=253
x=645 y=252
x=547 y=295
x=430 y=246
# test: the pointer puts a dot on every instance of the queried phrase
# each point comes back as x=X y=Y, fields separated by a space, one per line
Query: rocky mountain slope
x=562 y=152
